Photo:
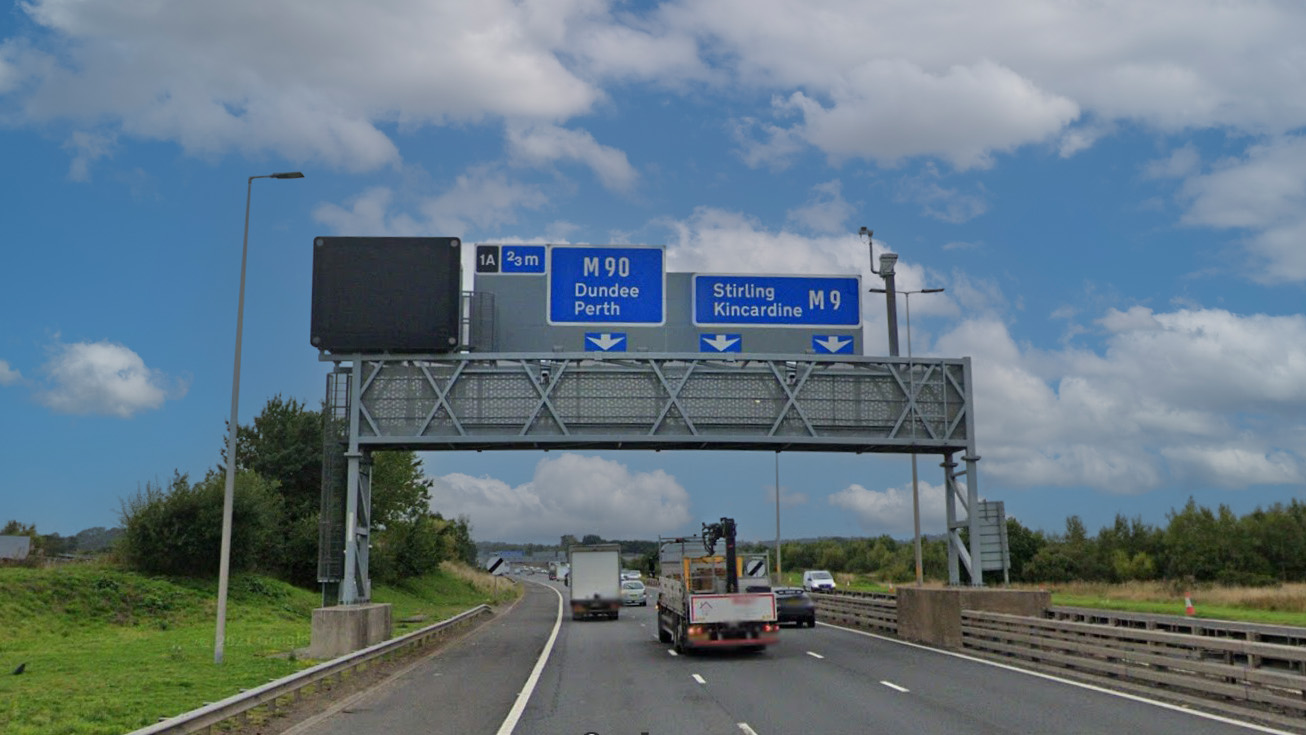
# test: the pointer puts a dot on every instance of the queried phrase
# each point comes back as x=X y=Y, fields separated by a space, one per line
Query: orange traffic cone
x=1189 y=610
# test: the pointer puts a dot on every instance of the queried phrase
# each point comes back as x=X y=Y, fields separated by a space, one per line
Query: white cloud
x=1082 y=137
x=1263 y=192
x=104 y=378
x=890 y=110
x=1146 y=410
x=948 y=205
x=962 y=80
x=542 y=144
x=890 y=510
x=307 y=79
x=87 y=148
x=826 y=212
x=480 y=198
x=774 y=146
x=570 y=494
x=1183 y=161
x=956 y=80
x=8 y=375
x=1234 y=467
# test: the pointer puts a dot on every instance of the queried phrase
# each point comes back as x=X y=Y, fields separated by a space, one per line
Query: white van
x=818 y=580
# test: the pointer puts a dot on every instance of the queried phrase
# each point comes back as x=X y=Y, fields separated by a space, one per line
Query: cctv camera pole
x=887 y=261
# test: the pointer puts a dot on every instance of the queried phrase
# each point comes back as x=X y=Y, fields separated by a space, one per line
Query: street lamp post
x=915 y=489
x=779 y=572
x=229 y=491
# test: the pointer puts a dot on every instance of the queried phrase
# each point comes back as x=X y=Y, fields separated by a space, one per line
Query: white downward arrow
x=605 y=341
x=720 y=342
x=834 y=343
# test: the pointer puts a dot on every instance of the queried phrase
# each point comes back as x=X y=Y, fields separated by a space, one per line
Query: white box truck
x=595 y=580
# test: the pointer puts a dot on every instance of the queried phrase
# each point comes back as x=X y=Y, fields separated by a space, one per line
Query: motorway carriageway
x=534 y=671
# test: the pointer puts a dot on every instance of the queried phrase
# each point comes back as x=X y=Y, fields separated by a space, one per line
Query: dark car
x=794 y=605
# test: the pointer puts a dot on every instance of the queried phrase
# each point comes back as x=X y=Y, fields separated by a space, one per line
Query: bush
x=178 y=531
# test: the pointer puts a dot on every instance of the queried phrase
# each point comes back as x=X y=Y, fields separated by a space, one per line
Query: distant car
x=632 y=593
x=818 y=580
x=630 y=574
x=794 y=605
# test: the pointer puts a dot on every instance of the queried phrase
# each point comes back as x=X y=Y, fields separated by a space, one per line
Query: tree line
x=1196 y=544
x=175 y=527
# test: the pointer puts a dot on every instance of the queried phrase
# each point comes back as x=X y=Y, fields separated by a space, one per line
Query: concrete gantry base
x=933 y=616
x=347 y=628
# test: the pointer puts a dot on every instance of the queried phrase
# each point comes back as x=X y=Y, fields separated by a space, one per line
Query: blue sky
x=1111 y=193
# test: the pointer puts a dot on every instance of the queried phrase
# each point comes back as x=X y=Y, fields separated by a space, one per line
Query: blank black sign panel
x=386 y=294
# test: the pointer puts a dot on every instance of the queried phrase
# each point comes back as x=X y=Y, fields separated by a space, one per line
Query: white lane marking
x=699 y=679
x=524 y=695
x=894 y=687
x=1080 y=684
x=814 y=655
x=672 y=652
x=747 y=730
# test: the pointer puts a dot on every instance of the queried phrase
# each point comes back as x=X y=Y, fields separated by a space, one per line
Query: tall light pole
x=779 y=572
x=915 y=489
x=229 y=492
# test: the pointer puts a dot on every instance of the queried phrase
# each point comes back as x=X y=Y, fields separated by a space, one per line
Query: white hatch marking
x=747 y=730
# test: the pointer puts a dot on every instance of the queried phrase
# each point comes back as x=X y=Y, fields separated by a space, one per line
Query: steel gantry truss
x=472 y=401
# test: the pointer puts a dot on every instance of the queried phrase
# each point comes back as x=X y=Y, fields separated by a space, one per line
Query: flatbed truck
x=700 y=603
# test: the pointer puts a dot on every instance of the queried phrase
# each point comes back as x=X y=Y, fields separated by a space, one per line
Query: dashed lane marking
x=747 y=730
x=894 y=687
x=814 y=655
x=699 y=679
x=1069 y=682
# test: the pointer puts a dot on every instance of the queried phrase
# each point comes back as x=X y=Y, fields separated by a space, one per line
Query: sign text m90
x=610 y=267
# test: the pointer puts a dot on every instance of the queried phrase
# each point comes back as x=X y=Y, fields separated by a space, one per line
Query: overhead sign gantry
x=577 y=347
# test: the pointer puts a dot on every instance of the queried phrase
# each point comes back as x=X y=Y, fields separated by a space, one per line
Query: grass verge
x=1284 y=604
x=109 y=651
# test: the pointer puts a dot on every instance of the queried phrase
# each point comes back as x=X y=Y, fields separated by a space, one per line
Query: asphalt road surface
x=615 y=678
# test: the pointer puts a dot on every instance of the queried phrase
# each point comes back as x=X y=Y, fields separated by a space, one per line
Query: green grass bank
x=106 y=651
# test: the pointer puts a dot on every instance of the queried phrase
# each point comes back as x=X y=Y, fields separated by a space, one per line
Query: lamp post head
x=287 y=175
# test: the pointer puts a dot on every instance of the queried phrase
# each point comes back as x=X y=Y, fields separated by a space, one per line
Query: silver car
x=632 y=593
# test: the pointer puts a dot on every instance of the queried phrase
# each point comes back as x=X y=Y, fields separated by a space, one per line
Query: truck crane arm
x=713 y=532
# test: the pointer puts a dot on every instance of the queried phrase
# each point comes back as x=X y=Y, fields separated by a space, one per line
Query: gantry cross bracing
x=478 y=401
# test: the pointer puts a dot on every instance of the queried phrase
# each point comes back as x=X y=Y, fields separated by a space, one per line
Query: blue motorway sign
x=720 y=343
x=527 y=259
x=605 y=341
x=522 y=259
x=777 y=301
x=832 y=344
x=607 y=285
